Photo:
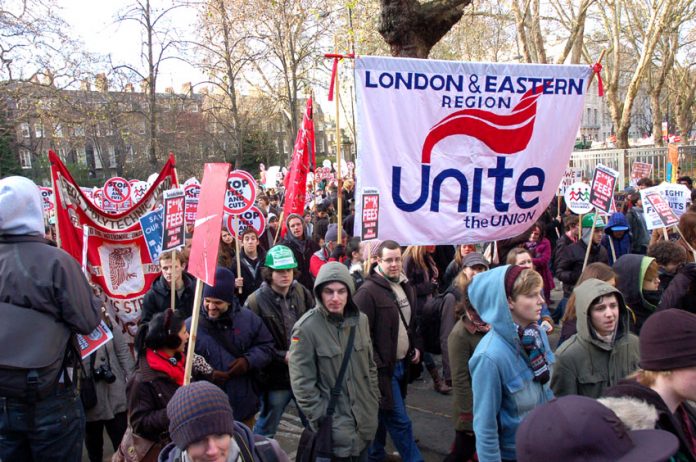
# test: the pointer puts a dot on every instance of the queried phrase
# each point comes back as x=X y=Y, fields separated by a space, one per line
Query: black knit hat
x=668 y=341
x=198 y=410
x=223 y=288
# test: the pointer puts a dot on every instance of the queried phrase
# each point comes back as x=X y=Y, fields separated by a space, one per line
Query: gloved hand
x=338 y=252
x=238 y=367
x=220 y=377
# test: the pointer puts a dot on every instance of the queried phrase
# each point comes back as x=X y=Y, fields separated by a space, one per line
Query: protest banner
x=92 y=342
x=47 y=200
x=118 y=259
x=205 y=245
x=152 y=224
x=370 y=215
x=241 y=192
x=650 y=215
x=174 y=229
x=661 y=207
x=463 y=152
x=191 y=193
x=577 y=198
x=570 y=177
x=253 y=217
x=677 y=196
x=640 y=170
x=603 y=186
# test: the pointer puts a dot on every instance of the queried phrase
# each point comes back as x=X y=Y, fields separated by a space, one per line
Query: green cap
x=587 y=221
x=280 y=258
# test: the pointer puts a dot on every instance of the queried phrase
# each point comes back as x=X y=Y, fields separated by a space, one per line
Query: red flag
x=206 y=231
x=117 y=253
x=308 y=126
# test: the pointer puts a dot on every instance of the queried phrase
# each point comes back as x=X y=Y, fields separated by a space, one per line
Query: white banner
x=463 y=152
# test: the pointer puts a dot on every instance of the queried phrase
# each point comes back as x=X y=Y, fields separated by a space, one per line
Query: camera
x=104 y=373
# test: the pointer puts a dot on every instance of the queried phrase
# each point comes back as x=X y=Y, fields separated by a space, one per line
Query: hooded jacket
x=303 y=249
x=665 y=419
x=640 y=237
x=621 y=246
x=571 y=259
x=502 y=381
x=630 y=272
x=158 y=299
x=251 y=272
x=585 y=365
x=243 y=332
x=319 y=342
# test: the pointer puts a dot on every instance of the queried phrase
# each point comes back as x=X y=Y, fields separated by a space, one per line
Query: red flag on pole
x=308 y=126
x=206 y=231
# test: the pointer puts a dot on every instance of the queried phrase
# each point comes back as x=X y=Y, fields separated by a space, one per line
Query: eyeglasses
x=390 y=261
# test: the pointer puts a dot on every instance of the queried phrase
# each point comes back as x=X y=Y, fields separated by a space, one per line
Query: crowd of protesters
x=340 y=327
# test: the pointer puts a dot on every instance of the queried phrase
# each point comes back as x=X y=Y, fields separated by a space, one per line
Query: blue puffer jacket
x=617 y=222
x=502 y=381
x=248 y=335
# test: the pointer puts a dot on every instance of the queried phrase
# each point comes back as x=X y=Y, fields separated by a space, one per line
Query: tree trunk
x=656 y=118
x=152 y=88
x=411 y=29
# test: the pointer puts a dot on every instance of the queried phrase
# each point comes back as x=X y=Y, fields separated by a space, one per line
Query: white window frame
x=25 y=159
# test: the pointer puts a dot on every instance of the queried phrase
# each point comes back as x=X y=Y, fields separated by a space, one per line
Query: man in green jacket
x=317 y=346
x=603 y=351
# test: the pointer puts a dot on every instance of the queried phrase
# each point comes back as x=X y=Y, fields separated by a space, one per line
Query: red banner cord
x=334 y=68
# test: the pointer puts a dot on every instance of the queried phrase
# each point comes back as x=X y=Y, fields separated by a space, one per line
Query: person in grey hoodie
x=44 y=301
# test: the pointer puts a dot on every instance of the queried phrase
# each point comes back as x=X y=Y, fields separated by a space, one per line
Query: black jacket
x=251 y=272
x=630 y=273
x=158 y=298
x=681 y=291
x=570 y=263
x=266 y=303
x=303 y=251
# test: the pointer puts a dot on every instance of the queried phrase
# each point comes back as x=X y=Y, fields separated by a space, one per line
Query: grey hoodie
x=21 y=212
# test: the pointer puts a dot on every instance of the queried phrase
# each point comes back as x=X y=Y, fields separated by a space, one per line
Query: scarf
x=531 y=245
x=394 y=280
x=159 y=361
x=534 y=347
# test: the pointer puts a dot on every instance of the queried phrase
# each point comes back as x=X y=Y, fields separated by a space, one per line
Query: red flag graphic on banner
x=296 y=179
x=206 y=231
x=117 y=256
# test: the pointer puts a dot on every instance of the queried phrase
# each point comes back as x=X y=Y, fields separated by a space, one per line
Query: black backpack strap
x=336 y=390
x=264 y=449
x=244 y=450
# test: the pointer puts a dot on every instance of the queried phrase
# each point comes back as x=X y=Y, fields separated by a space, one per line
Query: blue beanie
x=223 y=288
x=21 y=212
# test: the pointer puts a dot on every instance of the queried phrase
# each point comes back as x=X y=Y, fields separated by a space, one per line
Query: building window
x=112 y=157
x=81 y=155
x=79 y=130
x=58 y=131
x=38 y=130
x=24 y=128
x=25 y=159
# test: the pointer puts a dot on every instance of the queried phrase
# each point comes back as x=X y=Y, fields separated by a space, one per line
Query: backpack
x=430 y=320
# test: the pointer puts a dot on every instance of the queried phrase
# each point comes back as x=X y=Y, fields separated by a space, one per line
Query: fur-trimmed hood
x=635 y=413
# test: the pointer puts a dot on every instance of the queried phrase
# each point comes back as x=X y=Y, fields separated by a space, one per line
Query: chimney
x=85 y=85
x=169 y=90
x=187 y=89
x=129 y=88
x=101 y=83
x=144 y=86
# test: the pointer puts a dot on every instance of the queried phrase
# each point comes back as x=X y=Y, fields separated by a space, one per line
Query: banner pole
x=613 y=252
x=589 y=245
x=236 y=244
x=580 y=226
x=172 y=302
x=280 y=226
x=55 y=201
x=339 y=193
x=664 y=234
x=194 y=329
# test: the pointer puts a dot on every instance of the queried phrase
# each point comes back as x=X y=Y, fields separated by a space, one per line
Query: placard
x=662 y=208
x=174 y=230
x=117 y=190
x=577 y=198
x=570 y=176
x=602 y=189
x=191 y=193
x=252 y=217
x=92 y=342
x=241 y=192
x=640 y=170
x=47 y=200
x=152 y=224
x=370 y=215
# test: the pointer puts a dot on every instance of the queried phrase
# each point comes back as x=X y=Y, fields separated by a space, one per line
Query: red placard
x=241 y=192
x=206 y=233
x=174 y=229
x=191 y=193
x=370 y=216
x=92 y=342
x=602 y=189
x=661 y=206
x=117 y=190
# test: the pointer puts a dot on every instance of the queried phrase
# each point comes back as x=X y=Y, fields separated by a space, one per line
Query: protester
x=455 y=266
x=572 y=259
x=617 y=239
x=251 y=260
x=639 y=282
x=349 y=221
x=321 y=223
x=670 y=257
x=461 y=343
x=320 y=341
x=107 y=370
x=686 y=181
x=644 y=182
x=389 y=300
x=570 y=236
x=302 y=247
x=519 y=256
x=603 y=351
x=667 y=376
x=279 y=302
x=309 y=225
x=681 y=292
x=267 y=238
x=540 y=249
x=511 y=366
x=504 y=246
x=160 y=346
x=355 y=261
x=687 y=228
x=233 y=340
x=159 y=298
x=421 y=271
x=640 y=237
x=42 y=290
x=600 y=271
x=203 y=429
x=227 y=249
x=579 y=429
x=330 y=250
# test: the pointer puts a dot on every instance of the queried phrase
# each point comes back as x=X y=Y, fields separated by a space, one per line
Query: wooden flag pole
x=589 y=244
x=280 y=226
x=339 y=194
x=193 y=332
x=172 y=275
x=580 y=226
x=613 y=252
x=236 y=243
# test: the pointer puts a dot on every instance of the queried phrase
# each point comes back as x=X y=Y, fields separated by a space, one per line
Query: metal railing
x=622 y=160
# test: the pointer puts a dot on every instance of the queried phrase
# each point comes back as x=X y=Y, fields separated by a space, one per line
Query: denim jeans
x=52 y=429
x=398 y=424
x=273 y=404
x=560 y=310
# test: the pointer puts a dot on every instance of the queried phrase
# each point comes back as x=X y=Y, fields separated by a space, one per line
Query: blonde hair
x=417 y=254
x=512 y=255
x=648 y=378
x=652 y=271
x=528 y=281
x=461 y=283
